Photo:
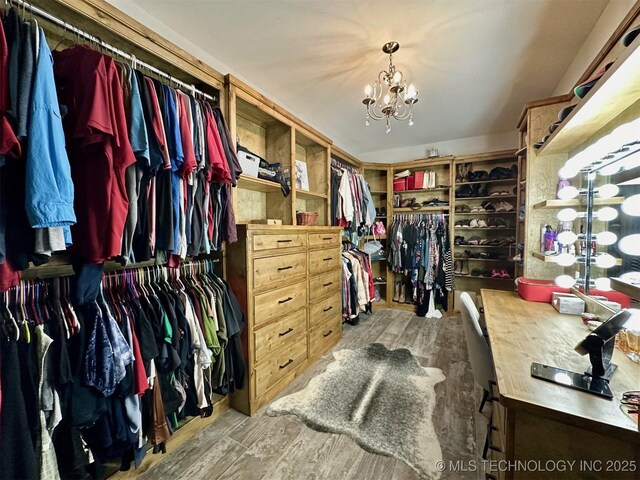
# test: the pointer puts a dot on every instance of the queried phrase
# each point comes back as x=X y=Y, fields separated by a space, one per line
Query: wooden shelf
x=258 y=185
x=618 y=89
x=379 y=283
x=501 y=180
x=513 y=212
x=481 y=259
x=495 y=197
x=310 y=195
x=378 y=192
x=552 y=259
x=625 y=287
x=485 y=246
x=420 y=210
x=576 y=202
x=494 y=229
x=482 y=278
x=424 y=190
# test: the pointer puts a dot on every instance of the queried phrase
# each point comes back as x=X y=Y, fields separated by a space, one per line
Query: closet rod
x=134 y=61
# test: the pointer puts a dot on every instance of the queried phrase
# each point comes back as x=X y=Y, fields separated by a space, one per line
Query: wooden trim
x=608 y=46
x=346 y=157
x=480 y=157
x=231 y=80
x=423 y=162
x=112 y=25
x=541 y=103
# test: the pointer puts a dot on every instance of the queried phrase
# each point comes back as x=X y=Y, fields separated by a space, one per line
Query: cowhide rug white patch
x=383 y=399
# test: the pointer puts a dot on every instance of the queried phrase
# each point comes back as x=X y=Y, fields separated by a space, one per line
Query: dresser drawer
x=324 y=239
x=323 y=260
x=279 y=303
x=324 y=284
x=321 y=337
x=280 y=364
x=272 y=271
x=325 y=310
x=278 y=241
x=276 y=335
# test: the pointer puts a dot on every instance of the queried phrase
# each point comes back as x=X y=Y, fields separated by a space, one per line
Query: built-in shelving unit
x=576 y=202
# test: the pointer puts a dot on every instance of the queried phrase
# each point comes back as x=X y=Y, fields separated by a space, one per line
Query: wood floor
x=274 y=448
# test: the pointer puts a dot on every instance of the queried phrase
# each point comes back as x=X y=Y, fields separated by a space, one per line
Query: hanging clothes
x=357 y=284
x=352 y=205
x=421 y=251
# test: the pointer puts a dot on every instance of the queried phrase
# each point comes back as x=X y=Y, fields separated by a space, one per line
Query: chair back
x=479 y=353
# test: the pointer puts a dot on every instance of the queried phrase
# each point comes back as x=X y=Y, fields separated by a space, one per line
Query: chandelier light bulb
x=608 y=191
x=387 y=99
x=567 y=237
x=568 y=192
x=565 y=259
x=604 y=260
x=411 y=92
x=606 y=214
x=631 y=206
x=606 y=238
x=630 y=245
x=397 y=77
x=368 y=90
x=567 y=215
x=603 y=283
x=565 y=281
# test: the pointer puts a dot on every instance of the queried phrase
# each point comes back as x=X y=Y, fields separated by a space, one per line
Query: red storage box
x=399 y=184
x=415 y=181
x=538 y=290
x=613 y=296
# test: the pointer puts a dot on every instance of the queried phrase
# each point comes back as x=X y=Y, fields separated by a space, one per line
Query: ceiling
x=474 y=62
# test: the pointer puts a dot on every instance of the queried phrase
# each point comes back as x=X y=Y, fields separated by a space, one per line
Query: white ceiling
x=474 y=62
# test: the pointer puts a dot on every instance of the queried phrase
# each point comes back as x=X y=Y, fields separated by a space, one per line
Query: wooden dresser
x=288 y=281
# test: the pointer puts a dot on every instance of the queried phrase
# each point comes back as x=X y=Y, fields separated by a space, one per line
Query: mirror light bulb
x=565 y=259
x=631 y=205
x=630 y=277
x=604 y=260
x=606 y=238
x=567 y=238
x=630 y=244
x=608 y=191
x=567 y=215
x=568 y=171
x=565 y=281
x=368 y=90
x=568 y=192
x=610 y=169
x=606 y=214
x=603 y=283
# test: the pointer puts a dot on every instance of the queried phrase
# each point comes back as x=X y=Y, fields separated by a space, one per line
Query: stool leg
x=485 y=397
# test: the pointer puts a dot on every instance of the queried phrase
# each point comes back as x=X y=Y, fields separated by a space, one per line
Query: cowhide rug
x=383 y=399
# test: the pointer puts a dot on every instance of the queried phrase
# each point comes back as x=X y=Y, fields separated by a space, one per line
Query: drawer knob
x=327 y=309
x=327 y=284
x=286 y=333
x=327 y=259
x=326 y=238
x=285 y=241
x=285 y=300
x=328 y=333
x=285 y=268
x=287 y=363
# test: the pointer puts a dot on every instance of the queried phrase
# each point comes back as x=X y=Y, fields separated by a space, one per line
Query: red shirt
x=219 y=172
x=189 y=161
x=98 y=147
x=9 y=144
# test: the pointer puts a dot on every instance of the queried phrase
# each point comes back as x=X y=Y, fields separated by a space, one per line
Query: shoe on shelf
x=383 y=211
x=464 y=270
x=457 y=267
x=486 y=273
x=495 y=273
x=473 y=223
x=476 y=272
x=504 y=273
x=403 y=288
x=517 y=258
x=488 y=207
x=475 y=240
x=396 y=292
x=500 y=223
x=482 y=223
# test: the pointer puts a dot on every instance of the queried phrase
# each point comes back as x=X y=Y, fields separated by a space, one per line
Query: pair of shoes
x=500 y=273
x=478 y=176
x=497 y=191
x=477 y=209
x=458 y=240
x=399 y=292
x=462 y=224
x=497 y=223
x=407 y=202
x=477 y=223
x=380 y=279
x=504 y=207
x=462 y=209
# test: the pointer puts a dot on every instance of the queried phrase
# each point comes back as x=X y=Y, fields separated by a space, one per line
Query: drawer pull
x=286 y=333
x=285 y=268
x=327 y=309
x=328 y=333
x=326 y=238
x=285 y=241
x=327 y=284
x=285 y=300
x=327 y=259
x=288 y=362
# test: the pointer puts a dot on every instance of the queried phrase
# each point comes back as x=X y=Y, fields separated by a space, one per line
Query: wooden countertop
x=519 y=335
x=262 y=226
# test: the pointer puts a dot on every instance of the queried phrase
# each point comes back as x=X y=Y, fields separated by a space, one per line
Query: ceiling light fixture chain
x=398 y=99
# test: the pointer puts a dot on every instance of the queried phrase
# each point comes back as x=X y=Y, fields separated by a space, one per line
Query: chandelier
x=389 y=96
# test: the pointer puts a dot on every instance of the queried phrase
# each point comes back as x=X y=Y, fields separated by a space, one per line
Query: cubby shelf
x=420 y=210
x=576 y=202
x=500 y=180
x=312 y=195
x=494 y=197
x=618 y=89
x=494 y=229
x=258 y=184
x=424 y=190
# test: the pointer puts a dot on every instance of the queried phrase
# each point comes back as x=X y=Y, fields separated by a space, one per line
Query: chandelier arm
x=373 y=114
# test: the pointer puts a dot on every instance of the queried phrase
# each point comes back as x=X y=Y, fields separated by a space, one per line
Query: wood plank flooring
x=283 y=448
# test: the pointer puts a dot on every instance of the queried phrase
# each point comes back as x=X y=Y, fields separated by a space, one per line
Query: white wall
x=611 y=17
x=460 y=146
